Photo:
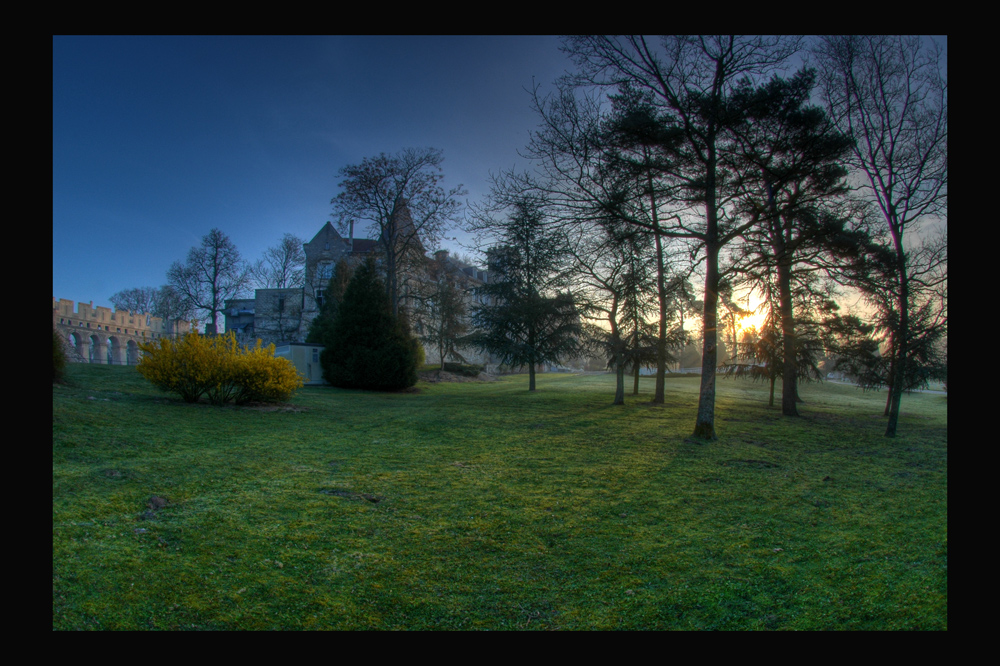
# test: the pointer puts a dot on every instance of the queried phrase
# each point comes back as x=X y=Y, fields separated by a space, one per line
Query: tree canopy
x=402 y=199
x=527 y=320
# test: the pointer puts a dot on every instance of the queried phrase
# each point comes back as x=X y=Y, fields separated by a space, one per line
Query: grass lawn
x=483 y=506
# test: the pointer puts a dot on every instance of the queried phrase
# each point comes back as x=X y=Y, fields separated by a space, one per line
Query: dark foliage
x=58 y=359
x=332 y=296
x=366 y=346
x=526 y=321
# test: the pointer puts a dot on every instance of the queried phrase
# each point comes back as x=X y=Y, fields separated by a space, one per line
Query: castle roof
x=364 y=246
x=328 y=234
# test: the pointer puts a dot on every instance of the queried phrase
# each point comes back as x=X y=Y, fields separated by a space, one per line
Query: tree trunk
x=901 y=346
x=635 y=381
x=661 y=288
x=889 y=379
x=531 y=376
x=705 y=424
x=441 y=352
x=789 y=376
x=783 y=255
x=619 y=384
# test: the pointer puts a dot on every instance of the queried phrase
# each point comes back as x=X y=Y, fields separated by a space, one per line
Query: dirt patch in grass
x=748 y=463
x=347 y=494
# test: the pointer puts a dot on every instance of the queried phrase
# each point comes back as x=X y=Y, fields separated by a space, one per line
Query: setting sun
x=755 y=320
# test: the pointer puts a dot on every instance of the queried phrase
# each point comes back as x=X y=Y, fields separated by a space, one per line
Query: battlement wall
x=85 y=315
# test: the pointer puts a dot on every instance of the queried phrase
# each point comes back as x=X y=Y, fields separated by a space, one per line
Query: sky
x=157 y=140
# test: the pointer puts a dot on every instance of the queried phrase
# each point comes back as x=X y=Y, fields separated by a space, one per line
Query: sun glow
x=754 y=320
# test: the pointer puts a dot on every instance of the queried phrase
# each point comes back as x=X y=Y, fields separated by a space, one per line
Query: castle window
x=281 y=304
x=319 y=298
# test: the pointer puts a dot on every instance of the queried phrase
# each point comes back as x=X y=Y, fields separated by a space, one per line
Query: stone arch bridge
x=98 y=335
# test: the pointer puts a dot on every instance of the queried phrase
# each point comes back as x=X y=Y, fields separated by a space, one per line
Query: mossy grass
x=483 y=506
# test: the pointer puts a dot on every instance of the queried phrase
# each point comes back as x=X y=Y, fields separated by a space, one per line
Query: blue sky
x=156 y=140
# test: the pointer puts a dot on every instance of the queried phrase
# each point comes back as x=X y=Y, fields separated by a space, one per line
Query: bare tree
x=171 y=307
x=890 y=94
x=282 y=266
x=401 y=197
x=213 y=273
x=441 y=314
x=162 y=302
x=136 y=300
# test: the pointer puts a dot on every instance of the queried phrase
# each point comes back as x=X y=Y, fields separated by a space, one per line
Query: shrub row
x=219 y=368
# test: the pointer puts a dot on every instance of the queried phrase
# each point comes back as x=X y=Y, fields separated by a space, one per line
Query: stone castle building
x=283 y=316
x=100 y=335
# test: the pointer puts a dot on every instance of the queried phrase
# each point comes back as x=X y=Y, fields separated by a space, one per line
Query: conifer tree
x=332 y=296
x=367 y=347
x=527 y=320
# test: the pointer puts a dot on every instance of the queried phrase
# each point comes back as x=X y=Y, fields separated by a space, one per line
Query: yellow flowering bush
x=261 y=377
x=219 y=368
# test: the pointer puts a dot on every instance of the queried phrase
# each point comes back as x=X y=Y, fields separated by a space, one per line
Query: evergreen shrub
x=366 y=346
x=58 y=358
x=219 y=368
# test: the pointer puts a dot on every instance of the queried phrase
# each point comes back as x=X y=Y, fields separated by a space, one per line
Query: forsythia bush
x=218 y=368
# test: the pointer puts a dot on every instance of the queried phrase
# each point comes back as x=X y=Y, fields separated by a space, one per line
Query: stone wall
x=102 y=335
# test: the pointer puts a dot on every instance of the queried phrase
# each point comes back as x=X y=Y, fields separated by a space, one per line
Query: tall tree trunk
x=789 y=375
x=661 y=288
x=890 y=378
x=531 y=376
x=783 y=255
x=441 y=351
x=635 y=380
x=902 y=348
x=705 y=424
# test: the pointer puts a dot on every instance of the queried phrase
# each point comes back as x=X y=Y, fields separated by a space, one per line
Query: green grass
x=497 y=509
